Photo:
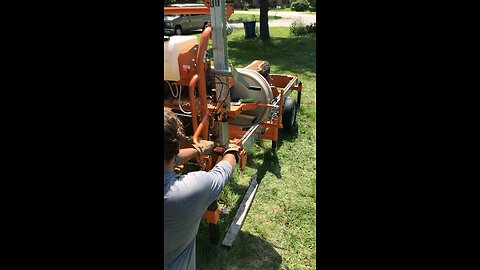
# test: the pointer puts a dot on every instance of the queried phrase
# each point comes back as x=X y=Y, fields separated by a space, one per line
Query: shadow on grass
x=226 y=220
x=287 y=135
x=237 y=188
x=270 y=163
x=248 y=252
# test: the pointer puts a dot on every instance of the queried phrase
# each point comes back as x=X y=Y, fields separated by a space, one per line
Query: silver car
x=182 y=23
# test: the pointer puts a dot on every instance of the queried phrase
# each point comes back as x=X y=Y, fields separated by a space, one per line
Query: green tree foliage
x=300 y=5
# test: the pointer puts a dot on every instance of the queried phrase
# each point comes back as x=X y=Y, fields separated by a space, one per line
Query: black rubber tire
x=214 y=233
x=204 y=26
x=178 y=30
x=289 y=115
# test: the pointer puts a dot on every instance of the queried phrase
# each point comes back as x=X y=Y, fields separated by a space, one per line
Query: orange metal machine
x=222 y=103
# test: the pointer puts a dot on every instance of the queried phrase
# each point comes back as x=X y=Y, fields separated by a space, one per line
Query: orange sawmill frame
x=193 y=74
x=195 y=77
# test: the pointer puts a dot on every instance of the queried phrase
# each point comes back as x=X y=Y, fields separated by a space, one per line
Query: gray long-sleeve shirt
x=185 y=200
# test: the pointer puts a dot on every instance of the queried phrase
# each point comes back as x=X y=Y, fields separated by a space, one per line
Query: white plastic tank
x=172 y=48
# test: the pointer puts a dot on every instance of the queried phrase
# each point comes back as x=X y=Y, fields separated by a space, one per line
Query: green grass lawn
x=280 y=229
x=238 y=18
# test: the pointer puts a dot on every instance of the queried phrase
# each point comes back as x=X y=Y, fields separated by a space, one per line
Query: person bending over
x=186 y=197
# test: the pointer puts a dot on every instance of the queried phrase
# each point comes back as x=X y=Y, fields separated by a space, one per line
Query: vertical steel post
x=220 y=60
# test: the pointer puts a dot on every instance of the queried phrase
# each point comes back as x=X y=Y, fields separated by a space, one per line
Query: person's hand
x=233 y=147
x=204 y=148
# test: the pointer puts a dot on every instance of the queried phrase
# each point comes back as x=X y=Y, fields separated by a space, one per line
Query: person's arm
x=201 y=149
x=231 y=159
x=231 y=154
x=222 y=171
x=205 y=186
x=187 y=154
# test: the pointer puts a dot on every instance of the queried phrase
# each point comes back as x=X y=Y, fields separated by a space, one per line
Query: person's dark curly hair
x=173 y=134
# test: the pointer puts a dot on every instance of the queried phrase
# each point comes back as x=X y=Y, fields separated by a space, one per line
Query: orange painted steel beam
x=212 y=216
x=202 y=84
x=193 y=106
x=198 y=10
x=280 y=80
x=202 y=127
x=243 y=160
x=235 y=132
x=187 y=66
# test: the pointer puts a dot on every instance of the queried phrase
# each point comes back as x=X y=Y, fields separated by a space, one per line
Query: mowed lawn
x=280 y=229
x=238 y=17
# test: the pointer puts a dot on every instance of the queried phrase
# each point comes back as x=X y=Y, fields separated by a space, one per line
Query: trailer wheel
x=178 y=30
x=214 y=233
x=289 y=115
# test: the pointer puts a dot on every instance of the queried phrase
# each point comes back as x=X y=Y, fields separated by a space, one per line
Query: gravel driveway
x=286 y=20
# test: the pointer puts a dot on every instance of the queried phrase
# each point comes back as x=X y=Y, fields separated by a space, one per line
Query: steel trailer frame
x=193 y=70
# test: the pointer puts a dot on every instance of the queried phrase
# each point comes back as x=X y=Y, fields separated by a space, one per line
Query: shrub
x=313 y=3
x=298 y=28
x=312 y=28
x=300 y=5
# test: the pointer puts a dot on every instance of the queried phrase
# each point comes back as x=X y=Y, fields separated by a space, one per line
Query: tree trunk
x=264 y=32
